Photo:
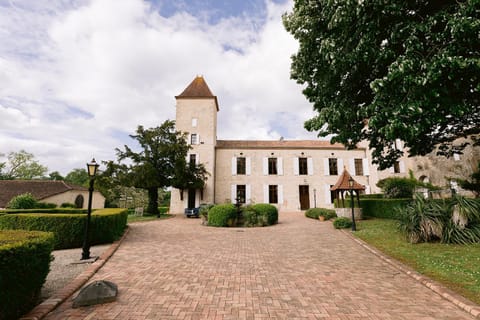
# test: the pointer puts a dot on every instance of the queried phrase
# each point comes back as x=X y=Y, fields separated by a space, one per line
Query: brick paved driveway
x=298 y=269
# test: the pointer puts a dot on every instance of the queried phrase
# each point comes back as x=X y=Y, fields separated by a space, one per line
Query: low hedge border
x=315 y=213
x=379 y=208
x=106 y=226
x=55 y=210
x=24 y=265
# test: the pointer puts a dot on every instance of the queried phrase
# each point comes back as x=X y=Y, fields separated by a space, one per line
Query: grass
x=134 y=218
x=455 y=266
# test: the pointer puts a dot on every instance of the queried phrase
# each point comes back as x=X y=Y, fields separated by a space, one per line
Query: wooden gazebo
x=343 y=185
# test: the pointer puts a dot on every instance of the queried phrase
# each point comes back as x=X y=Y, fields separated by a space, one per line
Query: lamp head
x=350 y=182
x=92 y=168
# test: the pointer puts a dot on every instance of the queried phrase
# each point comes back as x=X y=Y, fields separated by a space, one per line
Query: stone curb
x=41 y=310
x=458 y=300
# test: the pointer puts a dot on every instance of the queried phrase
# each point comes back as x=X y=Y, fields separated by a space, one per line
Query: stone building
x=291 y=174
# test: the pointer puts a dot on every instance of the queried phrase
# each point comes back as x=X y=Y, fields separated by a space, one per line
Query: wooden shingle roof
x=40 y=189
x=198 y=89
x=342 y=183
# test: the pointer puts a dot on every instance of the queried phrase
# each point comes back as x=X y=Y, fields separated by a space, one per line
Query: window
x=272 y=194
x=241 y=165
x=193 y=159
x=396 y=167
x=193 y=138
x=272 y=166
x=359 y=167
x=241 y=193
x=302 y=166
x=332 y=165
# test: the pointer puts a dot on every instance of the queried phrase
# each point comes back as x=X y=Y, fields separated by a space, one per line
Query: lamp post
x=350 y=184
x=238 y=204
x=314 y=198
x=92 y=171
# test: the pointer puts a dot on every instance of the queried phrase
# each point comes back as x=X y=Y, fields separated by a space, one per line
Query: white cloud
x=76 y=77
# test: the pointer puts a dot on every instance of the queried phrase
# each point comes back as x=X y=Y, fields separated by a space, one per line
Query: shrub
x=22 y=201
x=268 y=210
x=252 y=218
x=315 y=213
x=45 y=205
x=342 y=223
x=204 y=208
x=222 y=215
x=53 y=210
x=380 y=208
x=163 y=209
x=24 y=264
x=395 y=187
x=68 y=205
x=106 y=226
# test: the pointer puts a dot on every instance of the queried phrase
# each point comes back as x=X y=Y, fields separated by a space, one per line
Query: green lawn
x=134 y=218
x=456 y=266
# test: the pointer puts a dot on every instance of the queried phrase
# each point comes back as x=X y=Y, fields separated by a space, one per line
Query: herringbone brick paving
x=298 y=269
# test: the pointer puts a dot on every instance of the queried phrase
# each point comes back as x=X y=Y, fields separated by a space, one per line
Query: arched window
x=79 y=201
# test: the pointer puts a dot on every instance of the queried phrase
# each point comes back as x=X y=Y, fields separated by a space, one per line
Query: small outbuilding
x=49 y=191
x=346 y=183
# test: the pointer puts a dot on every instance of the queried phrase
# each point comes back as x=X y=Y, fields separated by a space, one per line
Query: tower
x=196 y=114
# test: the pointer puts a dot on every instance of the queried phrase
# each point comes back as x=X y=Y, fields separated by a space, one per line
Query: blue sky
x=78 y=76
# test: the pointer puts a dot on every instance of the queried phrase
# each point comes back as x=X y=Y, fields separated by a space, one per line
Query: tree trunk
x=153 y=202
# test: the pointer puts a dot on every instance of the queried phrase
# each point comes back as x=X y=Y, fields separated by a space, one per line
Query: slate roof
x=275 y=144
x=342 y=183
x=40 y=189
x=198 y=89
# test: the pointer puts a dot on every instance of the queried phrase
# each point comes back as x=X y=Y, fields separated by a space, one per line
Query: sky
x=78 y=76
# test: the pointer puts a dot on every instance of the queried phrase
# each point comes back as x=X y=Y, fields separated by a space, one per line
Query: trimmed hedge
x=24 y=265
x=222 y=215
x=342 y=223
x=46 y=210
x=315 y=213
x=106 y=226
x=380 y=208
x=268 y=210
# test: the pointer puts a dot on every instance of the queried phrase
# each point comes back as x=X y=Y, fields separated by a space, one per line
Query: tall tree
x=23 y=166
x=56 y=176
x=78 y=177
x=159 y=163
x=408 y=69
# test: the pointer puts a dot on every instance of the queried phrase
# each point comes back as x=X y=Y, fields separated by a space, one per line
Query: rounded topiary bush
x=342 y=223
x=251 y=218
x=315 y=213
x=22 y=201
x=222 y=215
x=267 y=210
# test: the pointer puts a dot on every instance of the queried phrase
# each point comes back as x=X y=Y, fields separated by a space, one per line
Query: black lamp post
x=92 y=171
x=350 y=184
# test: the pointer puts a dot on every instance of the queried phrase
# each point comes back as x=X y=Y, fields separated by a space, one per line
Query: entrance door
x=304 y=197
x=191 y=198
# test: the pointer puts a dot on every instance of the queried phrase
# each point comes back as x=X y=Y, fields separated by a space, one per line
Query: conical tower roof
x=198 y=89
x=342 y=183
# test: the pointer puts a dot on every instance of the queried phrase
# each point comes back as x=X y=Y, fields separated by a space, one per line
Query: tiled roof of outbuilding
x=275 y=144
x=40 y=189
x=342 y=183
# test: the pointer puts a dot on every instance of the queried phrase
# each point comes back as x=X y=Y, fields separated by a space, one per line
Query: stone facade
x=291 y=174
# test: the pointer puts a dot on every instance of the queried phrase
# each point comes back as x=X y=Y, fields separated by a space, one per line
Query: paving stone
x=298 y=269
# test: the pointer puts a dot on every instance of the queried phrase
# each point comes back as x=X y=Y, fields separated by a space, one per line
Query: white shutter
x=351 y=166
x=248 y=164
x=234 y=166
x=366 y=167
x=309 y=166
x=327 y=194
x=234 y=193
x=295 y=166
x=340 y=167
x=197 y=158
x=198 y=139
x=391 y=169
x=280 y=166
x=265 y=166
x=265 y=193
x=280 y=194
x=402 y=166
x=367 y=189
x=248 y=194
x=326 y=167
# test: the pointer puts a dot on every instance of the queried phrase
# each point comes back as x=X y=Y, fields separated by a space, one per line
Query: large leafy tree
x=78 y=176
x=159 y=163
x=23 y=166
x=381 y=70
